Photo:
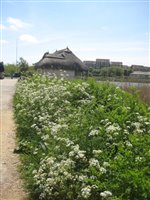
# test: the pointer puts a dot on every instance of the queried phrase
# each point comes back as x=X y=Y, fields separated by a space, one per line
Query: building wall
x=102 y=63
x=90 y=63
x=140 y=68
x=116 y=64
x=140 y=74
x=68 y=73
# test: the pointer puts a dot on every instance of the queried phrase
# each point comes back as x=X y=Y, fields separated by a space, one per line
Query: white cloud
x=28 y=38
x=16 y=24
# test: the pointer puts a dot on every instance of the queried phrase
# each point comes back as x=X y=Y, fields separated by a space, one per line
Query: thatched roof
x=1 y=67
x=62 y=59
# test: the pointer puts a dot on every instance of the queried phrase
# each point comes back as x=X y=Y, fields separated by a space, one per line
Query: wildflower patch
x=82 y=140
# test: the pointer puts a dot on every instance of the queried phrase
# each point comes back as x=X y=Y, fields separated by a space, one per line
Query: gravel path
x=10 y=184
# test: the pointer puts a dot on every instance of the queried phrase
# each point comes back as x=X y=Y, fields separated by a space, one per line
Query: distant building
x=140 y=68
x=90 y=63
x=60 y=61
x=116 y=64
x=102 y=63
x=140 y=74
x=99 y=63
x=126 y=66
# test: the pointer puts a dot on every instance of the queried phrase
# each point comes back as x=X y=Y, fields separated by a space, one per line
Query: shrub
x=82 y=140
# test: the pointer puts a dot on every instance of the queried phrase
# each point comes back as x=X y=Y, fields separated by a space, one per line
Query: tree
x=23 y=65
x=10 y=69
x=104 y=71
x=127 y=72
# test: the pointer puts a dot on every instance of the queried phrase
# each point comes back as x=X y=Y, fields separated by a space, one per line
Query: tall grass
x=143 y=92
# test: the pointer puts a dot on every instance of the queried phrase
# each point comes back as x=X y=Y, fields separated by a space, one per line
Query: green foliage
x=10 y=69
x=22 y=64
x=110 y=71
x=82 y=140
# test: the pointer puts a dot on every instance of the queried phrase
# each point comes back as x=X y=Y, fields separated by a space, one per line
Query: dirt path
x=10 y=184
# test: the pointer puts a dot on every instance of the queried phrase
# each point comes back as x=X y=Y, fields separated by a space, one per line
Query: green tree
x=112 y=71
x=127 y=72
x=23 y=65
x=10 y=69
x=104 y=72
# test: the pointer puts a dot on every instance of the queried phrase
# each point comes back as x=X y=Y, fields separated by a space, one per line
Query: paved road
x=7 y=91
x=10 y=184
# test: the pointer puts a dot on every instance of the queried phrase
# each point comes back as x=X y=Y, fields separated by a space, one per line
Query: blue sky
x=118 y=30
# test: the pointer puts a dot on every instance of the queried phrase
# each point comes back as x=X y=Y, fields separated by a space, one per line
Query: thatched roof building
x=61 y=60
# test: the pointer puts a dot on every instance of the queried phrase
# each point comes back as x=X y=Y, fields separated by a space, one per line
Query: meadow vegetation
x=143 y=93
x=82 y=140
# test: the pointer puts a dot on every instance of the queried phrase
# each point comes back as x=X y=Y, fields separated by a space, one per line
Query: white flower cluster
x=139 y=124
x=94 y=133
x=52 y=173
x=53 y=111
x=77 y=153
x=86 y=192
x=106 y=194
x=113 y=128
x=94 y=163
x=113 y=97
x=97 y=152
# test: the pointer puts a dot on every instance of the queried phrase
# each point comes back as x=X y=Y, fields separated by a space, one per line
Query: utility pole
x=16 y=51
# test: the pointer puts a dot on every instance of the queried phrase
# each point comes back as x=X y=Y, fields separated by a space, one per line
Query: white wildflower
x=97 y=152
x=33 y=126
x=94 y=133
x=45 y=137
x=35 y=151
x=136 y=125
x=105 y=194
x=34 y=171
x=77 y=153
x=86 y=192
x=102 y=170
x=112 y=128
x=106 y=164
x=138 y=159
x=128 y=143
x=82 y=177
x=94 y=163
x=94 y=186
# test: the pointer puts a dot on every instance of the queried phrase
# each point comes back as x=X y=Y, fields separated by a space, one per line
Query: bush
x=82 y=140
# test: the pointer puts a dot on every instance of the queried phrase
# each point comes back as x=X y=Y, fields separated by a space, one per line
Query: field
x=82 y=140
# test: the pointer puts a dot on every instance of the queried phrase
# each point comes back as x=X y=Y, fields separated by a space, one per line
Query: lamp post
x=16 y=51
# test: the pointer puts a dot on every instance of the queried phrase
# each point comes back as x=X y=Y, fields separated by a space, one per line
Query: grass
x=142 y=92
